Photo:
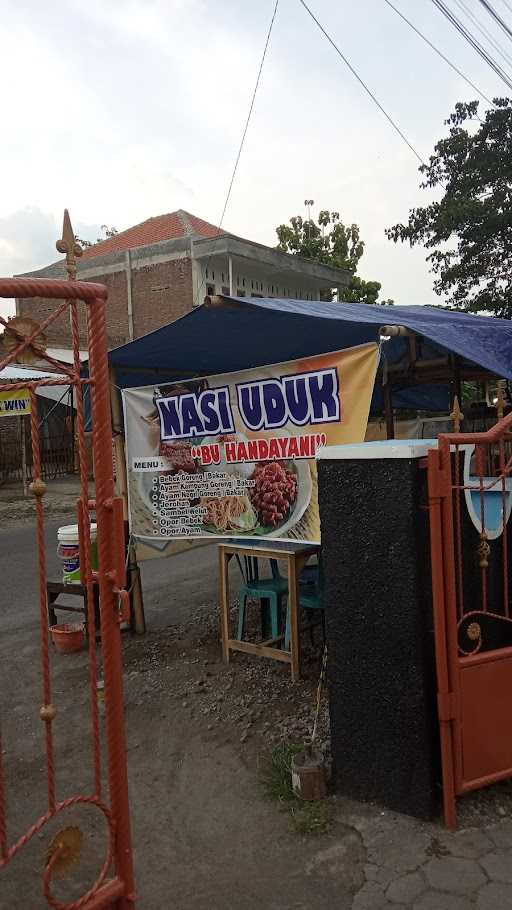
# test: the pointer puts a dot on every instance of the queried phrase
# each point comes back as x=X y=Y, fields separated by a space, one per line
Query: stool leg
x=241 y=617
x=52 y=616
x=287 y=629
x=265 y=614
x=310 y=615
x=274 y=616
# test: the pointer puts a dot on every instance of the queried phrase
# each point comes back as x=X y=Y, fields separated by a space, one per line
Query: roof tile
x=154 y=230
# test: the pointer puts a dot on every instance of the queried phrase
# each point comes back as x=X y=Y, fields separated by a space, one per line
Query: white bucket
x=69 y=552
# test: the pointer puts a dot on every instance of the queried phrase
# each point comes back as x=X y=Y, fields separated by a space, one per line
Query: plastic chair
x=309 y=574
x=272 y=590
x=310 y=597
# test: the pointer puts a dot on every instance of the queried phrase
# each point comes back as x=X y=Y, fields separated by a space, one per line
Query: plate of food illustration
x=275 y=501
x=270 y=498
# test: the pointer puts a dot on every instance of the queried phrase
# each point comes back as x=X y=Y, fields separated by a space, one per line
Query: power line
x=361 y=82
x=473 y=41
x=438 y=52
x=244 y=132
x=475 y=44
x=484 y=31
x=492 y=12
x=249 y=115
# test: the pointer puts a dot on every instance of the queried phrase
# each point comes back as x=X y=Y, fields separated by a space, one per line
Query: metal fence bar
x=53 y=456
x=56 y=456
x=3 y=809
x=85 y=554
x=110 y=629
x=503 y=472
x=472 y=612
x=444 y=687
x=456 y=494
x=47 y=709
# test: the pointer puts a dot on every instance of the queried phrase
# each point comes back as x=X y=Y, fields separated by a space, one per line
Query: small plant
x=277 y=772
x=306 y=817
x=312 y=817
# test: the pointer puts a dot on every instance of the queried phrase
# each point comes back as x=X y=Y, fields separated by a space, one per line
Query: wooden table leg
x=138 y=616
x=296 y=563
x=224 y=602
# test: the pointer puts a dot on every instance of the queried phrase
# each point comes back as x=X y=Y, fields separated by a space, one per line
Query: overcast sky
x=125 y=109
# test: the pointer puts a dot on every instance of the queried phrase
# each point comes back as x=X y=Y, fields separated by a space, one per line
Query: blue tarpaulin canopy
x=249 y=331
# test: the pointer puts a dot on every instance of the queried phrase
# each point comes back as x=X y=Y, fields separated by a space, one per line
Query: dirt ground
x=206 y=836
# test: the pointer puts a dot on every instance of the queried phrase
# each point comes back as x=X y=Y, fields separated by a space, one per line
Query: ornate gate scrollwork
x=470 y=501
x=114 y=884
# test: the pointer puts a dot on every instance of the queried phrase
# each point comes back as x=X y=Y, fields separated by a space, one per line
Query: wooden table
x=296 y=556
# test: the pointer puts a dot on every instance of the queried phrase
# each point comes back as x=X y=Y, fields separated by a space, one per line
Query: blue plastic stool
x=310 y=597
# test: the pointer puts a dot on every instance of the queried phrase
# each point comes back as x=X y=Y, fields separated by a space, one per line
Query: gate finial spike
x=68 y=244
x=456 y=415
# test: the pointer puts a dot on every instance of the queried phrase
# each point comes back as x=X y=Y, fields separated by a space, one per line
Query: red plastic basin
x=68 y=637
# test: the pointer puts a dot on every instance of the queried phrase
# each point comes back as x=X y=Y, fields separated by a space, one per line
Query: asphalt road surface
x=172 y=587
x=204 y=835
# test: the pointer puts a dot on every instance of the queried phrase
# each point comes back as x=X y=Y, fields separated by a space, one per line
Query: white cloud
x=127 y=109
x=27 y=240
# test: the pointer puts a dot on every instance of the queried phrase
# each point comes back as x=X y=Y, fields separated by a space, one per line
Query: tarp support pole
x=455 y=363
x=388 y=409
x=23 y=455
x=72 y=416
x=137 y=601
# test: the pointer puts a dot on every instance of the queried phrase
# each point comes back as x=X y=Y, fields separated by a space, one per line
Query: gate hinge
x=446 y=706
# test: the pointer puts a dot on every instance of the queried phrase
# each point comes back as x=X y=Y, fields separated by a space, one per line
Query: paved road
x=205 y=838
x=202 y=832
x=172 y=587
x=18 y=574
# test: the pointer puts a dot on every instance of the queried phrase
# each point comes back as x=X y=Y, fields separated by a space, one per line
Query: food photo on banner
x=234 y=455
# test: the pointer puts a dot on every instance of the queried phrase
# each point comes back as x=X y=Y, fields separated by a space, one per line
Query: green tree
x=469 y=229
x=108 y=232
x=331 y=242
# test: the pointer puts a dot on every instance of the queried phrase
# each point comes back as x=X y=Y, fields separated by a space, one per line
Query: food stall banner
x=15 y=404
x=233 y=455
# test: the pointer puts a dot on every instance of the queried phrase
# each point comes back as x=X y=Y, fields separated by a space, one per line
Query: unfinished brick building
x=160 y=269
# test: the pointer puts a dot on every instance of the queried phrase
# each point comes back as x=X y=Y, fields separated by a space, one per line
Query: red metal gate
x=114 y=885
x=470 y=498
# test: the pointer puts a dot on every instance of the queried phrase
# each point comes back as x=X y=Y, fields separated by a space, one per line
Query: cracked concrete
x=412 y=865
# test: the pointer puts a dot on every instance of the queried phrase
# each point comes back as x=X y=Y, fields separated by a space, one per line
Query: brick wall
x=58 y=333
x=117 y=307
x=161 y=292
